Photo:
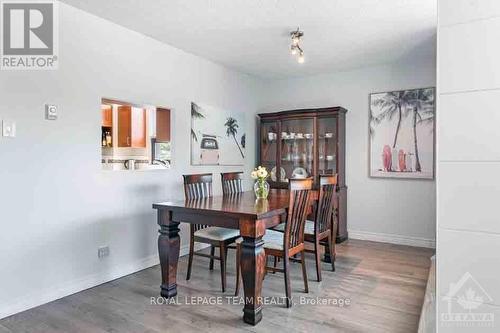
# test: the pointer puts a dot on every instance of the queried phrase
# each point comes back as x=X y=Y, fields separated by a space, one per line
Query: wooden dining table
x=237 y=211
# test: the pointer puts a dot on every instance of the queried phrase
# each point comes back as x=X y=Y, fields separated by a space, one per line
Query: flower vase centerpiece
x=261 y=186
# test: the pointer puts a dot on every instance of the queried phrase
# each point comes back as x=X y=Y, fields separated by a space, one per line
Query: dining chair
x=287 y=244
x=199 y=186
x=323 y=229
x=232 y=182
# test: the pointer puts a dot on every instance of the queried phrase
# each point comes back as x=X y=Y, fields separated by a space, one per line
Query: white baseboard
x=392 y=239
x=33 y=300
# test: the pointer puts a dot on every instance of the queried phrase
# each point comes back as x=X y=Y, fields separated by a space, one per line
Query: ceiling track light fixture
x=295 y=47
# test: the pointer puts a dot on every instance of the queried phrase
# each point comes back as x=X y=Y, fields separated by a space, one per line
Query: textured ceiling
x=252 y=36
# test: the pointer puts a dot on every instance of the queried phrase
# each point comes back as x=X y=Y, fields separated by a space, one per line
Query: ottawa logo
x=463 y=304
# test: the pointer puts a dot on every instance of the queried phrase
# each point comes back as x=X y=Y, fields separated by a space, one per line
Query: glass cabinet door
x=269 y=146
x=327 y=145
x=297 y=149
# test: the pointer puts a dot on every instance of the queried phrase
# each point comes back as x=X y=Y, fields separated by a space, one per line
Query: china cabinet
x=306 y=143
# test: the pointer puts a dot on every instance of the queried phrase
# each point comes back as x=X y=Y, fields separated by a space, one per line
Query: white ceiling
x=252 y=36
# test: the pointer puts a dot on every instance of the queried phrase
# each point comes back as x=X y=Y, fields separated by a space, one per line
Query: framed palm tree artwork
x=217 y=136
x=402 y=134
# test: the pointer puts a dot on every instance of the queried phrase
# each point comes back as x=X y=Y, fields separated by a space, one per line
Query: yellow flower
x=254 y=174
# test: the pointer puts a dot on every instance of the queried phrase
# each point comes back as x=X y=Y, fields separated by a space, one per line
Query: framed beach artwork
x=402 y=134
x=217 y=136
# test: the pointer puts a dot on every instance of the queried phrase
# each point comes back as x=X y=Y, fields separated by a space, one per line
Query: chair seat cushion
x=273 y=240
x=309 y=227
x=217 y=233
x=280 y=227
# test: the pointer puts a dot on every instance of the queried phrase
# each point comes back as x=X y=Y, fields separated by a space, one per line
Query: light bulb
x=295 y=40
x=293 y=50
x=301 y=59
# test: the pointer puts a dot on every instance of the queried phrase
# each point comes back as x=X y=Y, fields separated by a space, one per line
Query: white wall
x=399 y=211
x=56 y=205
x=469 y=157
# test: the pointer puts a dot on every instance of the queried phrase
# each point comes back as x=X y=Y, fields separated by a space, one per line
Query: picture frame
x=218 y=136
x=402 y=134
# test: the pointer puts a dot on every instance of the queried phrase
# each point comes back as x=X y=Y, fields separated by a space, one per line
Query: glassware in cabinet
x=327 y=145
x=269 y=147
x=297 y=148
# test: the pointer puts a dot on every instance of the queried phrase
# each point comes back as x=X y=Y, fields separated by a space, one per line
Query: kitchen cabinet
x=131 y=127
x=162 y=125
x=306 y=143
x=107 y=115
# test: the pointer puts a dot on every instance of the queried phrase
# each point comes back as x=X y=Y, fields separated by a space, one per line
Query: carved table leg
x=252 y=268
x=168 y=249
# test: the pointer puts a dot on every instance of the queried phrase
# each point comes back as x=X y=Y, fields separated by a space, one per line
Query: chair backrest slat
x=300 y=191
x=325 y=210
x=197 y=186
x=232 y=182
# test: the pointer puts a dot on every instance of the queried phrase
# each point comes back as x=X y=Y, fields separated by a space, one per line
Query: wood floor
x=384 y=283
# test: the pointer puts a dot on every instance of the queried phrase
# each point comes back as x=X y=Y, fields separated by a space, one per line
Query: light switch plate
x=9 y=129
x=50 y=112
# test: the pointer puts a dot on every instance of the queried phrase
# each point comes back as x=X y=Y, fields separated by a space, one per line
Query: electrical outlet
x=103 y=251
